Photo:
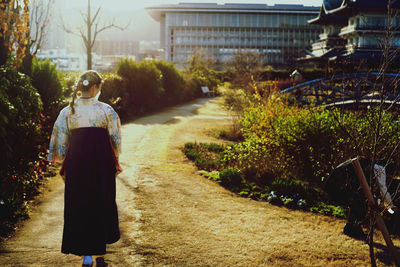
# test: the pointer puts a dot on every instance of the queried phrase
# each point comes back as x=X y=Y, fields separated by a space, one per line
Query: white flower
x=85 y=82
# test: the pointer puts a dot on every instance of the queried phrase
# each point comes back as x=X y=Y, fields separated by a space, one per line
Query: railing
x=350 y=89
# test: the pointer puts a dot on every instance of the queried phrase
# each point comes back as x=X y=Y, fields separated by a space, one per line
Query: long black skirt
x=90 y=210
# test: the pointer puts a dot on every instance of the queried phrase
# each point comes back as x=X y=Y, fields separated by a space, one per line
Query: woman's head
x=88 y=79
x=89 y=83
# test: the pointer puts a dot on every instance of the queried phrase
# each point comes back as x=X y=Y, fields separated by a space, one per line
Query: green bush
x=143 y=85
x=172 y=82
x=296 y=143
x=231 y=178
x=48 y=82
x=192 y=154
x=20 y=119
x=50 y=85
x=113 y=91
x=21 y=140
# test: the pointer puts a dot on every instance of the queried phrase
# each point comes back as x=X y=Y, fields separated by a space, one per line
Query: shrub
x=113 y=91
x=142 y=81
x=48 y=82
x=191 y=154
x=231 y=178
x=20 y=118
x=20 y=142
x=172 y=82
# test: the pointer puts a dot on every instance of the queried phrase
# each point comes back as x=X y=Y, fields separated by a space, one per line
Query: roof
x=338 y=10
x=156 y=11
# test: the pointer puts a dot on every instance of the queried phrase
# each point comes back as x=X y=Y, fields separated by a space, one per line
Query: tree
x=383 y=144
x=92 y=30
x=379 y=126
x=39 y=14
x=14 y=26
x=246 y=69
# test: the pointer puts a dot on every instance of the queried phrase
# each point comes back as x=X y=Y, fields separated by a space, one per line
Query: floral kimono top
x=89 y=112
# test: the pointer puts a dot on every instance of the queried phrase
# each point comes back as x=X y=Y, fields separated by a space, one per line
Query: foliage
x=288 y=151
x=327 y=209
x=113 y=92
x=231 y=178
x=200 y=73
x=205 y=156
x=245 y=67
x=20 y=108
x=172 y=82
x=302 y=143
x=22 y=161
x=14 y=28
x=143 y=84
x=48 y=81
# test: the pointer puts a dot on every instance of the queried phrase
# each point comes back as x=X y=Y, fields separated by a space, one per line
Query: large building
x=279 y=33
x=355 y=30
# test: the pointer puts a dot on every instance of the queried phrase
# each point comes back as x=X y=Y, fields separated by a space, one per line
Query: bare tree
x=246 y=67
x=90 y=30
x=39 y=15
x=380 y=148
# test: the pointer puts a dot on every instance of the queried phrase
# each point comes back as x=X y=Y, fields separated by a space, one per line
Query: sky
x=137 y=5
x=132 y=12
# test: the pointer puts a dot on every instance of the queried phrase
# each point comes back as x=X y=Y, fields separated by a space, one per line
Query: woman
x=86 y=139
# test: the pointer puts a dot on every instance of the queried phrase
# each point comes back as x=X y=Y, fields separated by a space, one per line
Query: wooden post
x=371 y=203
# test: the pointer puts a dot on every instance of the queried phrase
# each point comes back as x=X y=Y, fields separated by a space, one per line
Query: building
x=279 y=33
x=64 y=61
x=116 y=47
x=354 y=29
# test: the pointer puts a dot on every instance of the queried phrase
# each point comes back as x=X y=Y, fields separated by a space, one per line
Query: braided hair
x=85 y=82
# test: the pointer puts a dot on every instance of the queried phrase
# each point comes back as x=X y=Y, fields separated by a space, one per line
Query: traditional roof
x=338 y=11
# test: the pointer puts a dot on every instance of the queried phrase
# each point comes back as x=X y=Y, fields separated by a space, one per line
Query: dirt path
x=169 y=215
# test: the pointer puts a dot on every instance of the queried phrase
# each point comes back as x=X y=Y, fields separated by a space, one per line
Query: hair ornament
x=85 y=82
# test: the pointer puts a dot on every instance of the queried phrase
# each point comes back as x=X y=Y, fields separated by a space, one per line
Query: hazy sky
x=135 y=5
x=141 y=25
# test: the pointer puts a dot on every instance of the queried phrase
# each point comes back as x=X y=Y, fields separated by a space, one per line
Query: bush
x=172 y=82
x=192 y=154
x=21 y=164
x=113 y=91
x=231 y=178
x=142 y=82
x=20 y=118
x=48 y=82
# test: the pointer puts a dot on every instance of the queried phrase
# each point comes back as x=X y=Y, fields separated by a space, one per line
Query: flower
x=85 y=82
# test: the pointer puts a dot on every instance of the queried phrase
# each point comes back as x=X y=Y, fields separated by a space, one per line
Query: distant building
x=116 y=47
x=63 y=60
x=353 y=30
x=279 y=33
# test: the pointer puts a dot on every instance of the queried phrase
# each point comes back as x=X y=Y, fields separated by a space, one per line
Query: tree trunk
x=89 y=39
x=3 y=53
x=27 y=63
x=89 y=58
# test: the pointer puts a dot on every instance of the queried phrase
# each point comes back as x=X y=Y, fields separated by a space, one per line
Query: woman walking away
x=86 y=139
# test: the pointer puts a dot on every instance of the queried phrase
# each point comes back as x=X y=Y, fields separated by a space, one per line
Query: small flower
x=85 y=82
